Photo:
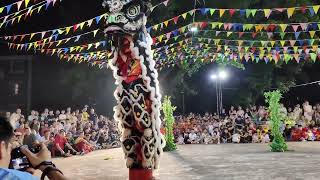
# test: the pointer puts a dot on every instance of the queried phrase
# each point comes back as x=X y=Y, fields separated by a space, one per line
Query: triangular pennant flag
x=267 y=13
x=1 y=9
x=290 y=12
x=248 y=12
x=165 y=2
x=292 y=42
x=229 y=33
x=282 y=43
x=313 y=57
x=39 y=8
x=231 y=12
x=212 y=11
x=184 y=15
x=296 y=34
x=311 y=11
x=253 y=12
x=283 y=27
x=68 y=29
x=221 y=12
x=166 y=23
x=8 y=8
x=95 y=32
x=312 y=33
x=295 y=27
x=316 y=8
x=304 y=26
x=26 y=2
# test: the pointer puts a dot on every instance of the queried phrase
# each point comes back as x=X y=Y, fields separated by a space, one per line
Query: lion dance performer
x=137 y=94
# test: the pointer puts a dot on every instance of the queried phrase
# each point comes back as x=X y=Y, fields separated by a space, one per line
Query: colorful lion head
x=126 y=16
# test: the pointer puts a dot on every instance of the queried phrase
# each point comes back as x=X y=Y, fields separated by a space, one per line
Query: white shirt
x=192 y=136
x=236 y=137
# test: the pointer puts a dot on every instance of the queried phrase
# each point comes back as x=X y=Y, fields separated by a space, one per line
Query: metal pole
x=217 y=96
x=29 y=85
x=221 y=105
x=183 y=107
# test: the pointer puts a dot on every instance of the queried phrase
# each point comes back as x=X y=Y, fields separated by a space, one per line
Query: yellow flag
x=31 y=36
x=81 y=25
x=166 y=23
x=290 y=12
x=26 y=2
x=160 y=38
x=316 y=8
x=272 y=43
x=267 y=12
x=282 y=43
x=312 y=33
x=184 y=15
x=221 y=12
x=283 y=27
x=68 y=29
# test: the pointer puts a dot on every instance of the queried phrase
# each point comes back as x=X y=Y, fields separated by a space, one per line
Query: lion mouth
x=114 y=29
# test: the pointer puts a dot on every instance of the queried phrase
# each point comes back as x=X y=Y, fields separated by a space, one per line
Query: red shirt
x=60 y=140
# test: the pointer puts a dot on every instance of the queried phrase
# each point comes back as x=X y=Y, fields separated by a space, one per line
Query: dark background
x=59 y=84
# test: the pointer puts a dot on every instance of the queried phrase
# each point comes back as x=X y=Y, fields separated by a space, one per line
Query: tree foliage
x=273 y=99
x=168 y=110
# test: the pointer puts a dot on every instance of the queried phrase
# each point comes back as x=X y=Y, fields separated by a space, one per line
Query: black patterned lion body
x=137 y=94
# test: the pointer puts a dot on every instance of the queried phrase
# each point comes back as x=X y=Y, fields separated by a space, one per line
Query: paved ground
x=207 y=162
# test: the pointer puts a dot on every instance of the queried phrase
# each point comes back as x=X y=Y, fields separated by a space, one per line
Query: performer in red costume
x=137 y=94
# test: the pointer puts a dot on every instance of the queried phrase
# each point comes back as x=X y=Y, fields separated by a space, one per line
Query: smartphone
x=19 y=161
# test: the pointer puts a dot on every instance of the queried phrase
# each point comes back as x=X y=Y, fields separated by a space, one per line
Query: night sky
x=48 y=89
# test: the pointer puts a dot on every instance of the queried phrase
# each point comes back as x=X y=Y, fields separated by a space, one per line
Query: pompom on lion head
x=126 y=16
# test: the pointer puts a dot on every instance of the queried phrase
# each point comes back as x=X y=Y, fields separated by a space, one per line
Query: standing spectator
x=15 y=117
x=93 y=116
x=84 y=114
x=62 y=116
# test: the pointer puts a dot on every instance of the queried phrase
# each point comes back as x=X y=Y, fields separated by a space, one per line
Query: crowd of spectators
x=248 y=125
x=65 y=132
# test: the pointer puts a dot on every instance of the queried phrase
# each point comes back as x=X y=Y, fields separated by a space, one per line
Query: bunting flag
x=178 y=46
x=24 y=13
x=165 y=3
x=17 y=5
x=52 y=41
x=64 y=30
x=240 y=27
x=182 y=31
x=194 y=52
x=277 y=44
x=247 y=12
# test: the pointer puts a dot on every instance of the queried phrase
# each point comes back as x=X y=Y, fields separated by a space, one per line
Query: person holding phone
x=40 y=160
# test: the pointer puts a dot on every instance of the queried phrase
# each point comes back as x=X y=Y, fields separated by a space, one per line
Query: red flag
x=231 y=12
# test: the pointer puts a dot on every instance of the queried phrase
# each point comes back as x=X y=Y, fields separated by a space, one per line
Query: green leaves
x=273 y=98
x=168 y=110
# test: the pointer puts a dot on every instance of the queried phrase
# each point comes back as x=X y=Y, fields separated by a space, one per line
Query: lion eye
x=133 y=11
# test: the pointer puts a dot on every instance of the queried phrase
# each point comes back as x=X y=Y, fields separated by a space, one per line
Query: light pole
x=218 y=78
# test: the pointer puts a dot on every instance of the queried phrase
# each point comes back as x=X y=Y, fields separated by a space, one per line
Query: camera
x=19 y=161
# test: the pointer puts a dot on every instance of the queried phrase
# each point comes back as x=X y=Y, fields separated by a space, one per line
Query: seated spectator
x=61 y=146
x=180 y=139
x=255 y=138
x=193 y=139
x=30 y=139
x=82 y=145
x=265 y=137
x=236 y=137
x=310 y=136
x=225 y=136
x=215 y=138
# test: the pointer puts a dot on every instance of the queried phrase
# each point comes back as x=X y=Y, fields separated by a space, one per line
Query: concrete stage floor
x=208 y=162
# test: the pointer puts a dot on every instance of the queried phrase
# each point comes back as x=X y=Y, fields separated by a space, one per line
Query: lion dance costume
x=137 y=94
